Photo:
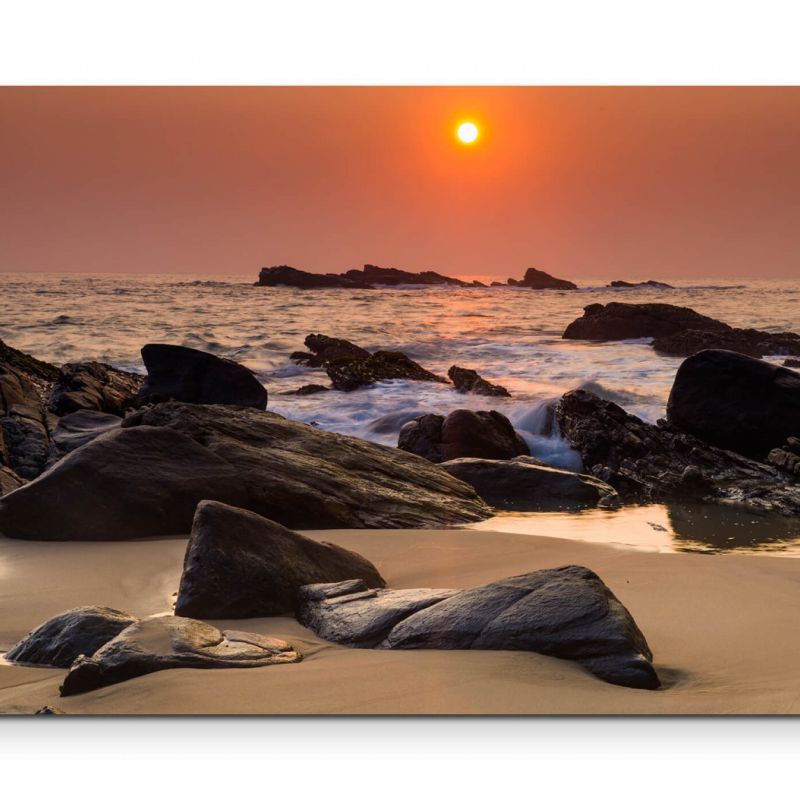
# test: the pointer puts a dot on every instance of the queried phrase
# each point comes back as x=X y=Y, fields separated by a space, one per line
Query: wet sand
x=723 y=630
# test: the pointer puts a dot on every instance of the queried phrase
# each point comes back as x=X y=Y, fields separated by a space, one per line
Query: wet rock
x=9 y=480
x=615 y=321
x=300 y=279
x=60 y=640
x=40 y=372
x=239 y=564
x=349 y=373
x=147 y=478
x=518 y=485
x=49 y=711
x=468 y=381
x=159 y=643
x=79 y=428
x=640 y=285
x=646 y=462
x=93 y=386
x=537 y=279
x=192 y=376
x=353 y=614
x=311 y=388
x=462 y=434
x=794 y=363
x=735 y=402
x=566 y=612
x=787 y=457
x=739 y=340
x=326 y=348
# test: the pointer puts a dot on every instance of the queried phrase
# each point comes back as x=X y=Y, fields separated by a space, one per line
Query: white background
x=467 y=42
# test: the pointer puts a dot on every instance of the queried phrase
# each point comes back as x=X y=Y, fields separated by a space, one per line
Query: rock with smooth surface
x=462 y=434
x=61 y=639
x=159 y=643
x=93 y=386
x=192 y=376
x=79 y=428
x=239 y=564
x=517 y=485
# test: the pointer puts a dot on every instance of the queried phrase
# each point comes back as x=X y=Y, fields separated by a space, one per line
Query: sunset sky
x=580 y=182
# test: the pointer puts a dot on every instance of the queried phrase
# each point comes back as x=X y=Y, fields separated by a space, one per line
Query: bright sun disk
x=467 y=132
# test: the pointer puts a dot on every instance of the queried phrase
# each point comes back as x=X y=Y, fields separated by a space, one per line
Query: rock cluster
x=367 y=278
x=787 y=457
x=93 y=386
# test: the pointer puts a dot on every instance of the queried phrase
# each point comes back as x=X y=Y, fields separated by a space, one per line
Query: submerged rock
x=60 y=640
x=93 y=386
x=735 y=402
x=566 y=612
x=661 y=462
x=310 y=388
x=468 y=381
x=239 y=564
x=518 y=485
x=537 y=279
x=787 y=457
x=794 y=363
x=348 y=373
x=192 y=376
x=462 y=434
x=159 y=643
x=147 y=478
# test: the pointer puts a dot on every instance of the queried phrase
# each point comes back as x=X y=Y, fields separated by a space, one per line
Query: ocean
x=510 y=335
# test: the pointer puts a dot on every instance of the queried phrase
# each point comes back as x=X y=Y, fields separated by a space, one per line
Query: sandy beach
x=721 y=628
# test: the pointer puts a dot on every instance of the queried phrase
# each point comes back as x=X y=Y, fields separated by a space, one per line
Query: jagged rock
x=640 y=285
x=566 y=612
x=79 y=631
x=351 y=613
x=93 y=386
x=462 y=434
x=40 y=372
x=239 y=564
x=537 y=279
x=787 y=457
x=735 y=402
x=518 y=485
x=79 y=428
x=147 y=478
x=478 y=284
x=468 y=381
x=794 y=363
x=49 y=711
x=389 y=276
x=349 y=373
x=740 y=340
x=660 y=462
x=192 y=376
x=159 y=643
x=325 y=348
x=299 y=279
x=9 y=480
x=311 y=388
x=615 y=321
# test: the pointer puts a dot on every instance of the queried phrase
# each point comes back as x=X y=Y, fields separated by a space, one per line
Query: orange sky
x=581 y=182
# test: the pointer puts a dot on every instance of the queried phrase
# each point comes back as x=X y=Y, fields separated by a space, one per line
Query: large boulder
x=79 y=428
x=566 y=612
x=79 y=631
x=467 y=381
x=159 y=643
x=615 y=321
x=520 y=485
x=348 y=373
x=239 y=564
x=462 y=434
x=538 y=279
x=735 y=402
x=93 y=386
x=747 y=341
x=654 y=463
x=192 y=376
x=147 y=478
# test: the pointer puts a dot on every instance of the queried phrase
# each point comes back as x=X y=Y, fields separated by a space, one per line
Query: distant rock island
x=640 y=285
x=537 y=279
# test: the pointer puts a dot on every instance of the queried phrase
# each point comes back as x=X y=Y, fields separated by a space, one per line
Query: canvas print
x=399 y=400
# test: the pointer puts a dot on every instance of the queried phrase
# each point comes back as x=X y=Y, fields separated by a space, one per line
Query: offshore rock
x=348 y=373
x=468 y=381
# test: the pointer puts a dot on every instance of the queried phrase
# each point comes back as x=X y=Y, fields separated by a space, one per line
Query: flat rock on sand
x=239 y=564
x=147 y=478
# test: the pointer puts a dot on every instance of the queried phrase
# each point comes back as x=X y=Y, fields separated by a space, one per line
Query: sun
x=467 y=132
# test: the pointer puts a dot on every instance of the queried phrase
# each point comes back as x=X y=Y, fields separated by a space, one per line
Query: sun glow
x=467 y=132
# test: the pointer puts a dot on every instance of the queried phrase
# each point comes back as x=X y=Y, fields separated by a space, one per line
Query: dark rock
x=60 y=640
x=462 y=434
x=514 y=282
x=794 y=363
x=478 y=284
x=79 y=428
x=640 y=285
x=239 y=564
x=739 y=340
x=299 y=279
x=566 y=612
x=787 y=457
x=389 y=276
x=468 y=380
x=497 y=283
x=735 y=402
x=326 y=348
x=147 y=478
x=49 y=711
x=159 y=643
x=310 y=388
x=93 y=386
x=660 y=462
x=537 y=279
x=352 y=614
x=9 y=481
x=192 y=376
x=615 y=321
x=517 y=485
x=348 y=373
x=39 y=372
